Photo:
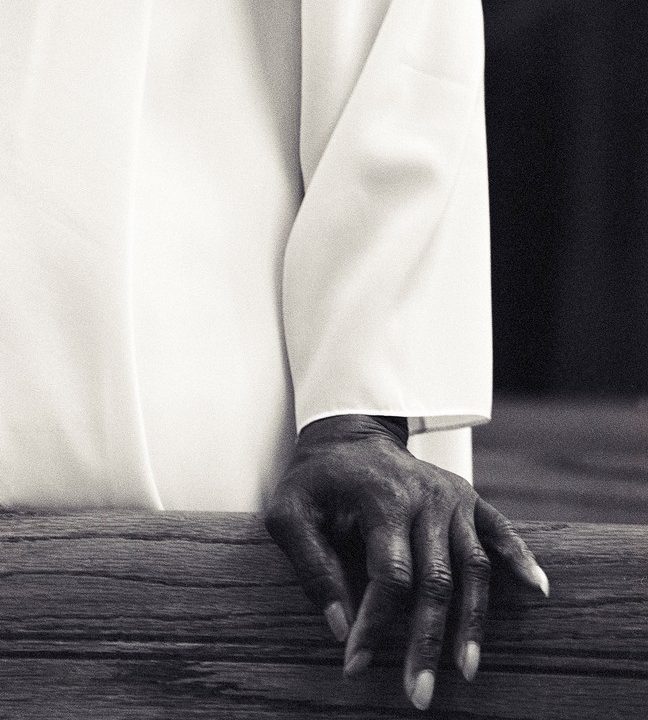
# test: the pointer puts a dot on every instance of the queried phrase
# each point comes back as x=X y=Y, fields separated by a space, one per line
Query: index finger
x=292 y=527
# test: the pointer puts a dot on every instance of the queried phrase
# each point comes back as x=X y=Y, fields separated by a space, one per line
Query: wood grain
x=195 y=615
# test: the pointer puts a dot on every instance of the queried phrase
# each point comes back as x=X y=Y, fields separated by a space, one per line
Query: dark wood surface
x=199 y=616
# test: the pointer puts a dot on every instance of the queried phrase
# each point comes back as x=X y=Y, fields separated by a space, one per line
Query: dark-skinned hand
x=425 y=530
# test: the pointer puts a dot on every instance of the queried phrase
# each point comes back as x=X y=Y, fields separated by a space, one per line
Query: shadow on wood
x=199 y=616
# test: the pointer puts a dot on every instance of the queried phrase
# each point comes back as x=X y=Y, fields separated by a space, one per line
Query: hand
x=424 y=529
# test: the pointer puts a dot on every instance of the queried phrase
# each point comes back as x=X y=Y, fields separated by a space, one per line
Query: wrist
x=355 y=426
x=395 y=424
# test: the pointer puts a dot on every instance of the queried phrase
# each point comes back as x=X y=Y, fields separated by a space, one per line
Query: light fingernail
x=336 y=618
x=470 y=660
x=358 y=663
x=421 y=696
x=541 y=579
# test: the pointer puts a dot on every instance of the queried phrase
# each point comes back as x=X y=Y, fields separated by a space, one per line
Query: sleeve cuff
x=417 y=423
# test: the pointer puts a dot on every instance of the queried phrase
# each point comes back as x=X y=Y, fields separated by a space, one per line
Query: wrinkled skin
x=424 y=529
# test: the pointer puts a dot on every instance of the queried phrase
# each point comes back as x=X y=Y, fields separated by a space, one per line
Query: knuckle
x=497 y=528
x=396 y=579
x=475 y=624
x=436 y=585
x=504 y=525
x=525 y=551
x=516 y=550
x=427 y=646
x=477 y=565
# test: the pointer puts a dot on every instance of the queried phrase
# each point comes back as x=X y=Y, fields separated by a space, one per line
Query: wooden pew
x=193 y=615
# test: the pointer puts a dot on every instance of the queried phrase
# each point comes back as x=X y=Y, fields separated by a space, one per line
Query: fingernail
x=541 y=579
x=358 y=663
x=470 y=660
x=421 y=696
x=337 y=621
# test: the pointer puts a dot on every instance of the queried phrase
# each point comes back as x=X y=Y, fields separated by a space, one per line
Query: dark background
x=567 y=121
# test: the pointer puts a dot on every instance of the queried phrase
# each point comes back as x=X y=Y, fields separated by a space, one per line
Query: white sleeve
x=387 y=272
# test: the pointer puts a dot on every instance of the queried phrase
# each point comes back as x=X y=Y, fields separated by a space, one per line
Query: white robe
x=153 y=160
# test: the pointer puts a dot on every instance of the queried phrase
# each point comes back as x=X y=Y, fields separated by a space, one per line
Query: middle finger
x=433 y=594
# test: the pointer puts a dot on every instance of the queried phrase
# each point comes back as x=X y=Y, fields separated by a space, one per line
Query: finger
x=433 y=594
x=291 y=525
x=473 y=570
x=497 y=534
x=389 y=568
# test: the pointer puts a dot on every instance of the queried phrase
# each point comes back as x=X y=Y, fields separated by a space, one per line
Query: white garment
x=153 y=156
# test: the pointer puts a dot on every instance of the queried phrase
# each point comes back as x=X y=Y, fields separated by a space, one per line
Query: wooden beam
x=199 y=616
